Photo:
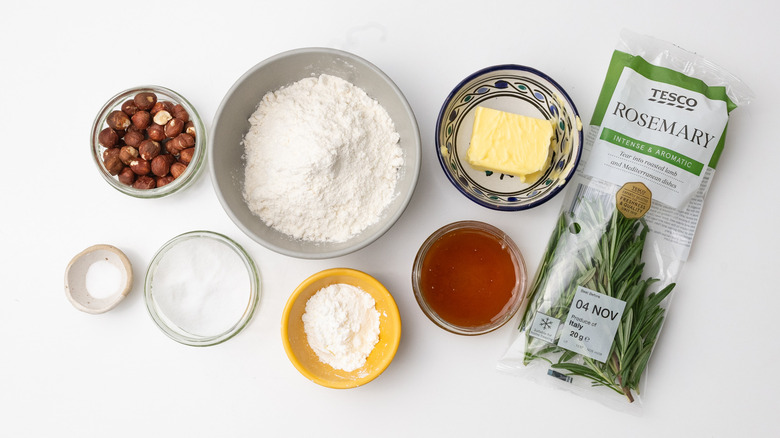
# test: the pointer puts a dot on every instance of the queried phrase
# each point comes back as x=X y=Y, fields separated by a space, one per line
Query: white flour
x=342 y=325
x=322 y=160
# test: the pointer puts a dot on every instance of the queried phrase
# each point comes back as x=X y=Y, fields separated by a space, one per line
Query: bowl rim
x=437 y=143
x=415 y=169
x=520 y=267
x=193 y=169
x=393 y=314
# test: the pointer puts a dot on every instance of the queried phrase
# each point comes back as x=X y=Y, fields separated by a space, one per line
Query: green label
x=666 y=155
x=653 y=72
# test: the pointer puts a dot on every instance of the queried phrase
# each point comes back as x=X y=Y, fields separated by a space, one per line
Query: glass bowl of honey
x=469 y=278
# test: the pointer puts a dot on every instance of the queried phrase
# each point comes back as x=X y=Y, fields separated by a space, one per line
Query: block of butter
x=509 y=143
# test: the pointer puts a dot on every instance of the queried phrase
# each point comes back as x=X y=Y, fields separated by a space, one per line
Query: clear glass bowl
x=158 y=300
x=518 y=291
x=193 y=169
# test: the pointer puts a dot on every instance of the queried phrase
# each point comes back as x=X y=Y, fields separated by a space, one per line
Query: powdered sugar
x=322 y=160
x=342 y=325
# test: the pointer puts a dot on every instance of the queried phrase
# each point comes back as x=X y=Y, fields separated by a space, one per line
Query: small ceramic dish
x=194 y=165
x=305 y=359
x=76 y=279
x=201 y=288
x=231 y=122
x=519 y=90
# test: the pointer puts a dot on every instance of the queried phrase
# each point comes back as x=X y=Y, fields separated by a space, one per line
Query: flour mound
x=322 y=160
x=342 y=325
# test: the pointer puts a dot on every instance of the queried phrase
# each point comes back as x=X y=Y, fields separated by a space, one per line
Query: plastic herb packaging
x=602 y=290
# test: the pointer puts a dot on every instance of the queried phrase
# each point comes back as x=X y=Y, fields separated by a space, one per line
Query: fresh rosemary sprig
x=603 y=252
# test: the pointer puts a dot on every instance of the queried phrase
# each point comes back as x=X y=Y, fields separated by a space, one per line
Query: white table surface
x=67 y=373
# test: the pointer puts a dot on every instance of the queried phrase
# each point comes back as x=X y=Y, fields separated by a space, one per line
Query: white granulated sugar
x=342 y=325
x=322 y=160
x=202 y=286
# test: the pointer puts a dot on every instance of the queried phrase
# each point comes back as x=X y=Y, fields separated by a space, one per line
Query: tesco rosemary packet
x=602 y=290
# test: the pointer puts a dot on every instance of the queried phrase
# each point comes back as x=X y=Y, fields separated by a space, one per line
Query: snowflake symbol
x=545 y=323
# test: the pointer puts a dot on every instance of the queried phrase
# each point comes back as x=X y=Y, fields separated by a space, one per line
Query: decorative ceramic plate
x=519 y=90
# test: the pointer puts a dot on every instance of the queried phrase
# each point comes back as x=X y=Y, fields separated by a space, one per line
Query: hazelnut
x=149 y=149
x=189 y=128
x=161 y=165
x=140 y=166
x=145 y=183
x=173 y=128
x=118 y=120
x=162 y=117
x=110 y=152
x=128 y=154
x=156 y=132
x=164 y=180
x=127 y=176
x=113 y=164
x=108 y=138
x=180 y=113
x=174 y=145
x=187 y=140
x=145 y=101
x=129 y=108
x=162 y=105
x=134 y=138
x=185 y=156
x=141 y=119
x=177 y=169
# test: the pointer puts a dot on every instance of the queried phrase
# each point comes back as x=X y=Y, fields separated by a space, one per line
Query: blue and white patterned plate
x=519 y=90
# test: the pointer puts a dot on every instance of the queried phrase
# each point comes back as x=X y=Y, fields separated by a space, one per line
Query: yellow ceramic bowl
x=303 y=357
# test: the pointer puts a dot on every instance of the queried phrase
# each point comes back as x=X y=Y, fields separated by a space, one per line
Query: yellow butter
x=509 y=143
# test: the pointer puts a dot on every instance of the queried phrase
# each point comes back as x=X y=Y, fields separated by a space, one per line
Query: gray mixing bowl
x=232 y=122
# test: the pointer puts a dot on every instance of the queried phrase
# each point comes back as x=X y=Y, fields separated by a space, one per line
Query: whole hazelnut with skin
x=164 y=180
x=173 y=128
x=148 y=149
x=129 y=107
x=161 y=165
x=128 y=154
x=140 y=166
x=145 y=101
x=177 y=169
x=118 y=120
x=110 y=152
x=162 y=105
x=145 y=183
x=180 y=113
x=156 y=132
x=134 y=138
x=126 y=176
x=185 y=156
x=108 y=138
x=141 y=119
x=113 y=164
x=181 y=142
x=174 y=146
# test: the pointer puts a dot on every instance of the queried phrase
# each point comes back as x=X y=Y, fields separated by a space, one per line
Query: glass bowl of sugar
x=201 y=288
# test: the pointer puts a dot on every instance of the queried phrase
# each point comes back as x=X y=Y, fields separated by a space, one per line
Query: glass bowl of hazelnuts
x=148 y=142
